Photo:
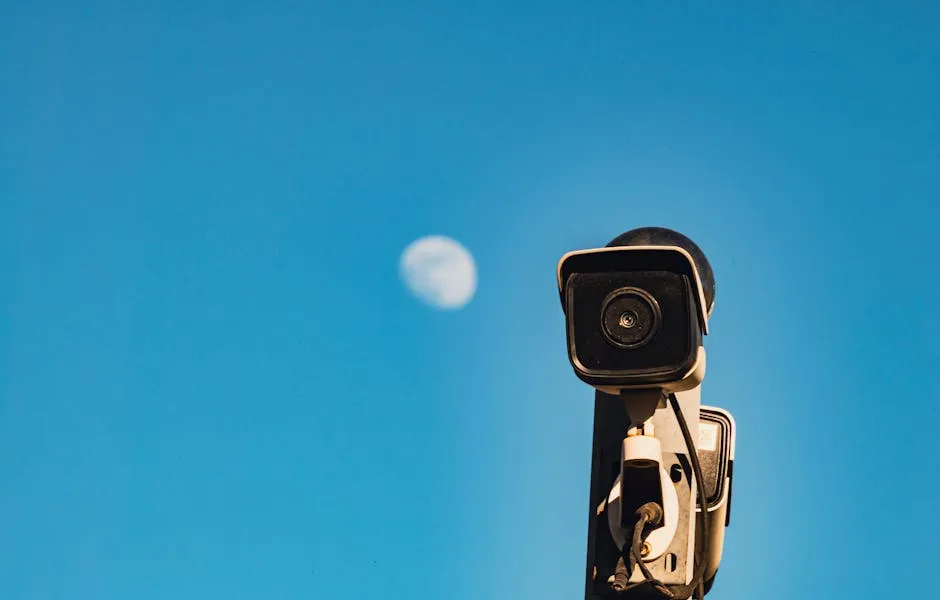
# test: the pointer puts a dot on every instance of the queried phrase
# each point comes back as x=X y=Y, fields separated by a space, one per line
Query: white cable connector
x=642 y=450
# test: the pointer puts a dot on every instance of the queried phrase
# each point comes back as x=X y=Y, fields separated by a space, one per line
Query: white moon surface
x=439 y=271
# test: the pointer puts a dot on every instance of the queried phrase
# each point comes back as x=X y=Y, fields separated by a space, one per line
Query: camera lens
x=629 y=317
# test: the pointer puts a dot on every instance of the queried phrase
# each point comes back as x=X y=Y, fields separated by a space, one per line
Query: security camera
x=636 y=313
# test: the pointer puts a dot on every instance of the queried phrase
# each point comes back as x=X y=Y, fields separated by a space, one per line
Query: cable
x=652 y=514
x=698 y=576
x=648 y=514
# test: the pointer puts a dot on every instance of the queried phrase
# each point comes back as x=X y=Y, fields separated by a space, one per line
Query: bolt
x=675 y=473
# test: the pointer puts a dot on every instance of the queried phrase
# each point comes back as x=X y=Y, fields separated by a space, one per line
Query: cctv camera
x=636 y=314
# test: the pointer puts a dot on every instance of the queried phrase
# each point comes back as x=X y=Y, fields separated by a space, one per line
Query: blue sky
x=214 y=385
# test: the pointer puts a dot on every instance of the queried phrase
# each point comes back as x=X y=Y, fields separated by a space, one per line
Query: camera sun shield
x=635 y=317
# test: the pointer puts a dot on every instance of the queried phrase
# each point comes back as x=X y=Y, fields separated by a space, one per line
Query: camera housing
x=635 y=317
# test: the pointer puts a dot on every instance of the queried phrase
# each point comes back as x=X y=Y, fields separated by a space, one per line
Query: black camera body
x=635 y=317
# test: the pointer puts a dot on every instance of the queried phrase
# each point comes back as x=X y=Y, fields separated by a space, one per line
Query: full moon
x=439 y=271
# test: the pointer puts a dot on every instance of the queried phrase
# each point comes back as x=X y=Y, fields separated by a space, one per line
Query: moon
x=439 y=271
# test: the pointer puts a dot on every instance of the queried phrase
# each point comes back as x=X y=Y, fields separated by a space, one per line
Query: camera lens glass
x=629 y=317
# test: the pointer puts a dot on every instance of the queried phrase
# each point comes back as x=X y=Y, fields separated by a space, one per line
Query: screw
x=646 y=549
x=675 y=473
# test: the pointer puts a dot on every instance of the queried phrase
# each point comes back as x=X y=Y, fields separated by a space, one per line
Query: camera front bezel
x=638 y=258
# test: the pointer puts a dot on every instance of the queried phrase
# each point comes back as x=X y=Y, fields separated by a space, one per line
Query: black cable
x=685 y=591
x=648 y=514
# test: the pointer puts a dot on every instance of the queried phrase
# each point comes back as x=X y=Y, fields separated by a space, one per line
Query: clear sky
x=214 y=385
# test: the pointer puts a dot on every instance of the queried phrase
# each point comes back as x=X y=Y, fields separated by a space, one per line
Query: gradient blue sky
x=214 y=385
